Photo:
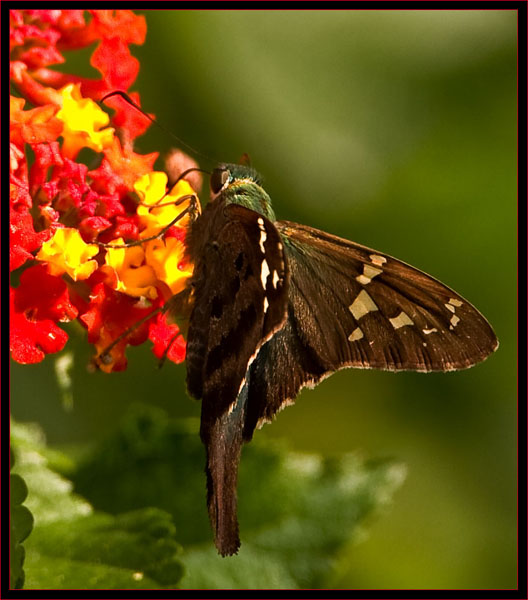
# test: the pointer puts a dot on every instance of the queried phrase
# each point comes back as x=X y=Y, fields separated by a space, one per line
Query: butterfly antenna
x=128 y=99
x=186 y=172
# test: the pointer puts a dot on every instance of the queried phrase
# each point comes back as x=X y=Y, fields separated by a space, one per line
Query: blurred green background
x=396 y=129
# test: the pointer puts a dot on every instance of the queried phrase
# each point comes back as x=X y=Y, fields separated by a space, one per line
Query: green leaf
x=148 y=447
x=73 y=546
x=321 y=510
x=21 y=524
x=296 y=511
x=133 y=550
x=50 y=496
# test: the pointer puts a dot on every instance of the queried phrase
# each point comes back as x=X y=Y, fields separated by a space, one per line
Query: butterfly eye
x=219 y=178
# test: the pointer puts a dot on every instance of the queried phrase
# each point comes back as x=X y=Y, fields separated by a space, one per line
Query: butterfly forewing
x=351 y=306
x=359 y=307
x=240 y=291
x=240 y=298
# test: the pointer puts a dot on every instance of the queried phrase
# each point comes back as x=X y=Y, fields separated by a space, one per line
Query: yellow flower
x=82 y=120
x=66 y=252
x=166 y=257
x=133 y=276
x=152 y=188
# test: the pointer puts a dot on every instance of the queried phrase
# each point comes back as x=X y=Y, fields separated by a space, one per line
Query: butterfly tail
x=223 y=442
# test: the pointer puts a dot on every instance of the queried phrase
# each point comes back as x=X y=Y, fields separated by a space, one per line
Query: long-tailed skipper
x=278 y=306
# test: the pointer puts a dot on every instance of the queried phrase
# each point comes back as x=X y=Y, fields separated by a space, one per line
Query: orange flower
x=33 y=126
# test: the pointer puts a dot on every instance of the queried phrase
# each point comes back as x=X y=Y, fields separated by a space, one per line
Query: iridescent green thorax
x=243 y=187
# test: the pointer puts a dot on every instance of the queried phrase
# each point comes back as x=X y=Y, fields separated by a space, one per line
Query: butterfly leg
x=191 y=210
x=104 y=356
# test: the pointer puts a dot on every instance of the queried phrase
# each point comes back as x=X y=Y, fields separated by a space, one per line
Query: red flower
x=23 y=238
x=32 y=339
x=43 y=296
x=70 y=218
x=117 y=66
x=166 y=338
x=110 y=314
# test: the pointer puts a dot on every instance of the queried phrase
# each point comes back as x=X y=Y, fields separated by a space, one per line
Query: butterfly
x=278 y=306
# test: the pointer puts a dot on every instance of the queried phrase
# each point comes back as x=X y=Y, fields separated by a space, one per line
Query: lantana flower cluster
x=71 y=223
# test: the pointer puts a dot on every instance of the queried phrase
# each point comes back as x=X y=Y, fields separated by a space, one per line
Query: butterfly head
x=240 y=184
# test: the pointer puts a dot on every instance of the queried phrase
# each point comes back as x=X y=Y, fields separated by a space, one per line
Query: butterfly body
x=278 y=306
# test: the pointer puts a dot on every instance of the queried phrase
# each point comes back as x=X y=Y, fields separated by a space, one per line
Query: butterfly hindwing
x=350 y=306
x=283 y=366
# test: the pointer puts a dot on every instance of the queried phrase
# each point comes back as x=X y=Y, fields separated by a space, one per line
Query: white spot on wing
x=449 y=307
x=263 y=234
x=454 y=320
x=363 y=280
x=377 y=259
x=371 y=272
x=264 y=272
x=357 y=334
x=401 y=320
x=455 y=302
x=428 y=331
x=368 y=274
x=263 y=237
x=276 y=278
x=266 y=304
x=362 y=305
